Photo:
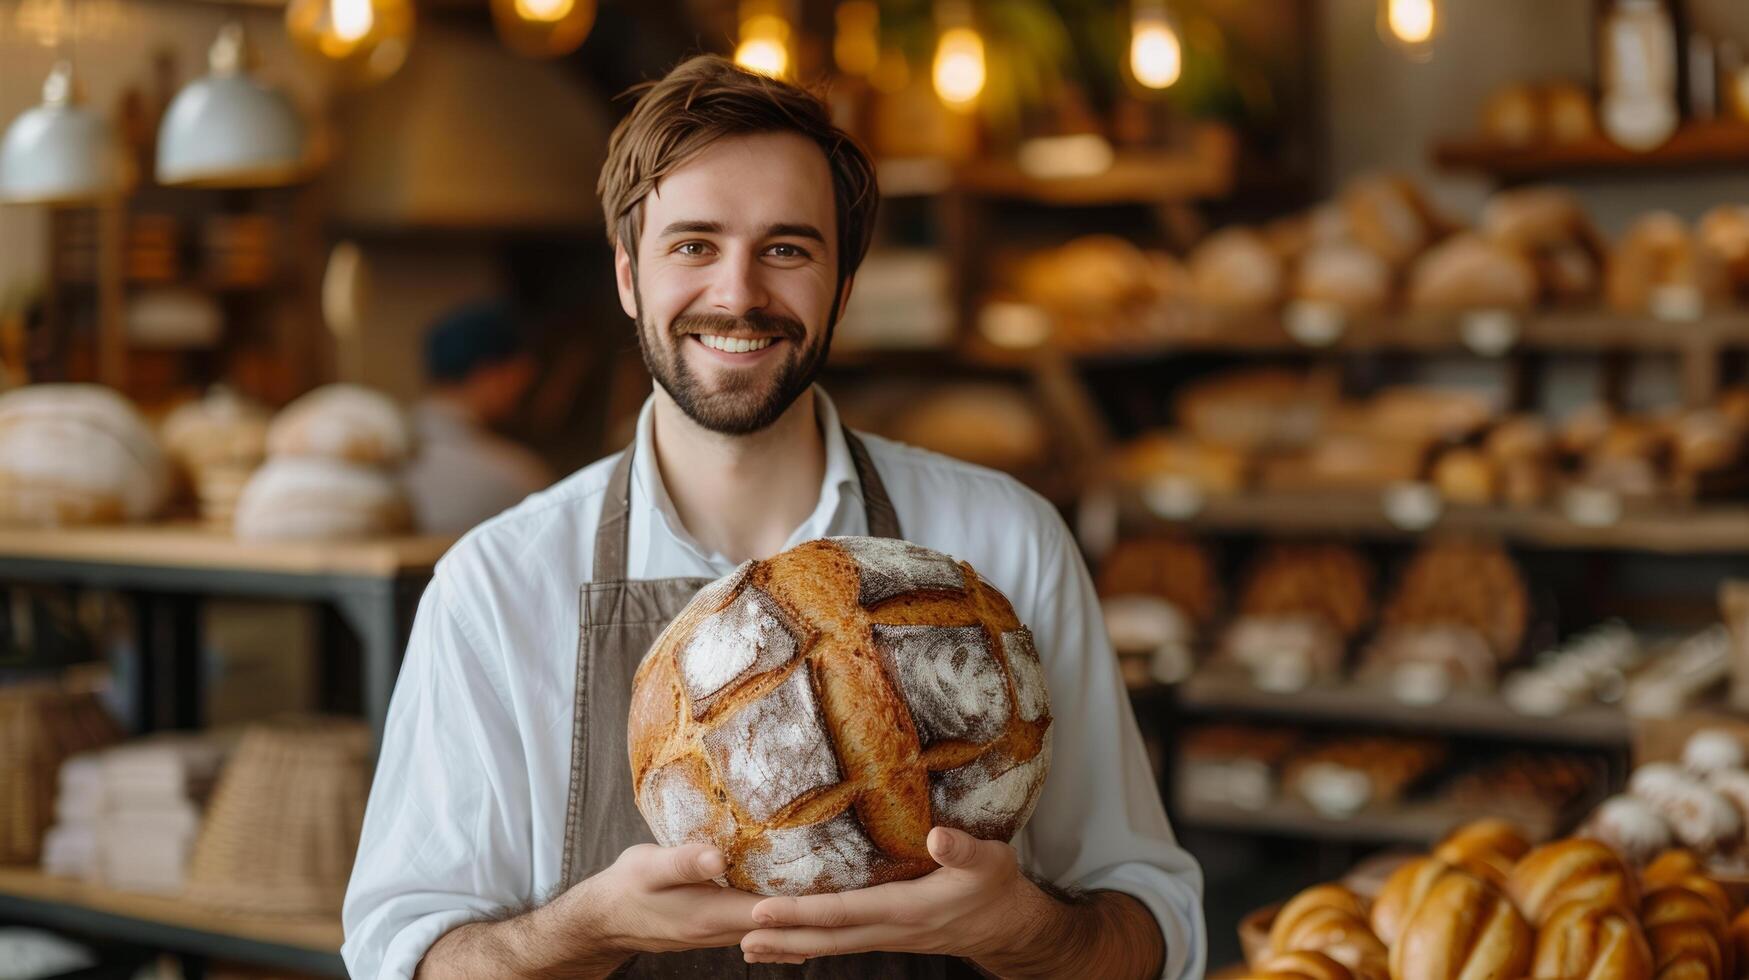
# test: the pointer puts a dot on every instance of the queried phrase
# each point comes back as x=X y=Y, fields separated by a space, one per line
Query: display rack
x=308 y=945
x=1698 y=145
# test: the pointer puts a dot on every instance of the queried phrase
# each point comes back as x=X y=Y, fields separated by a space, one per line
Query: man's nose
x=737 y=284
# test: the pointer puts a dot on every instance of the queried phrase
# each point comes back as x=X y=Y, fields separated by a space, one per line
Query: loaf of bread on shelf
x=1469 y=272
x=343 y=421
x=1659 y=267
x=1463 y=582
x=1548 y=226
x=1176 y=569
x=1463 y=928
x=1631 y=827
x=1235 y=270
x=1331 y=582
x=1253 y=410
x=1568 y=115
x=1343 y=276
x=221 y=429
x=990 y=424
x=1704 y=440
x=77 y=454
x=1424 y=413
x=1212 y=468
x=1389 y=216
x=1724 y=234
x=1571 y=870
x=814 y=714
x=1466 y=476
x=1592 y=940
x=318 y=498
x=1512 y=115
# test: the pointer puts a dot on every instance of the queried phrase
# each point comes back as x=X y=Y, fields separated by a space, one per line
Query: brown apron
x=620 y=619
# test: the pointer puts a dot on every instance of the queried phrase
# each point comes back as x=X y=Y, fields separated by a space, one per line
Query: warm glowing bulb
x=1156 y=59
x=959 y=66
x=544 y=11
x=1412 y=21
x=765 y=55
x=352 y=20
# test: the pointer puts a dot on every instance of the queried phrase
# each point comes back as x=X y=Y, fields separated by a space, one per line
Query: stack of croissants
x=1485 y=905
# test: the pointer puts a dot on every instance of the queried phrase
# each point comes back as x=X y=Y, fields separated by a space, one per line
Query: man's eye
x=691 y=248
x=789 y=251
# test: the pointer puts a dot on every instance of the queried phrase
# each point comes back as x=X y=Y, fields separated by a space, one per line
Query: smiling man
x=501 y=838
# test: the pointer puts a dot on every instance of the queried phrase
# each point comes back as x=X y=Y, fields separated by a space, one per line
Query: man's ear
x=844 y=296
x=622 y=274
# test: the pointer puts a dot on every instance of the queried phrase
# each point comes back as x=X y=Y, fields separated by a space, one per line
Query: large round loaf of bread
x=77 y=454
x=294 y=498
x=815 y=714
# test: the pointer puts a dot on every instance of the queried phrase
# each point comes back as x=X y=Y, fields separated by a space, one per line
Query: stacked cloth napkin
x=127 y=817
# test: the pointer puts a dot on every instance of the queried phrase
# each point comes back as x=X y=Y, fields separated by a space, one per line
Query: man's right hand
x=661 y=899
x=650 y=900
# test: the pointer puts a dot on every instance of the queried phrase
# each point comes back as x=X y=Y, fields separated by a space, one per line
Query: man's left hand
x=977 y=905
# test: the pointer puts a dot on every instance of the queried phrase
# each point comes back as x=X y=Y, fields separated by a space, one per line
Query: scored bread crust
x=815 y=714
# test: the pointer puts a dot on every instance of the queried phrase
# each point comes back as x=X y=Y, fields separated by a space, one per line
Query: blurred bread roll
x=1403 y=893
x=1568 y=115
x=343 y=421
x=1631 y=827
x=77 y=454
x=321 y=498
x=992 y=425
x=1300 y=965
x=1468 y=272
x=1724 y=234
x=1660 y=268
x=1212 y=468
x=1487 y=848
x=1388 y=216
x=1236 y=270
x=1512 y=116
x=1345 y=276
x=1466 y=476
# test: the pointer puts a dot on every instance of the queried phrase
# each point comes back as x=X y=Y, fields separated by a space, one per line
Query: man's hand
x=973 y=904
x=651 y=900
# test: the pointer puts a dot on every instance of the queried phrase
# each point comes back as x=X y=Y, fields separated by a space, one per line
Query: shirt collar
x=839 y=489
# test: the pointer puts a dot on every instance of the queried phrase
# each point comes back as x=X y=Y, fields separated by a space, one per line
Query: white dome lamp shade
x=226 y=129
x=61 y=152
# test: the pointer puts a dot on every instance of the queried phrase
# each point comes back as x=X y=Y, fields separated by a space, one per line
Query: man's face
x=734 y=286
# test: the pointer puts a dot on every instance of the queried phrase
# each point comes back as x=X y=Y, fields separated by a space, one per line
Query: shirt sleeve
x=1099 y=823
x=448 y=821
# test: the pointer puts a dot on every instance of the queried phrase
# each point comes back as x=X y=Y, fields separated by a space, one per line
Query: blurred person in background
x=478 y=371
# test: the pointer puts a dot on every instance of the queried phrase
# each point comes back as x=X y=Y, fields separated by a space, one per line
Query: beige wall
x=1385 y=111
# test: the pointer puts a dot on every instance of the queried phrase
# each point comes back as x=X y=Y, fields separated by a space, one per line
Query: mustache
x=757 y=322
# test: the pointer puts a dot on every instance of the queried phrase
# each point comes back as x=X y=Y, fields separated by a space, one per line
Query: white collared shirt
x=467 y=811
x=465 y=472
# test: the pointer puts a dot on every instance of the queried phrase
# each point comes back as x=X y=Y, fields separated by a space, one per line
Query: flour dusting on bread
x=951 y=680
x=773 y=751
x=888 y=567
x=749 y=636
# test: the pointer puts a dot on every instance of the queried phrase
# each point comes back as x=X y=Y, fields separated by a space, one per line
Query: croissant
x=1685 y=949
x=1739 y=936
x=1338 y=934
x=1300 y=965
x=1670 y=866
x=1486 y=848
x=1464 y=928
x=1682 y=905
x=1567 y=871
x=1288 y=922
x=1587 y=941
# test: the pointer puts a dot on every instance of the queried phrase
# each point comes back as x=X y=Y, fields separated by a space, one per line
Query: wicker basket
x=282 y=828
x=41 y=725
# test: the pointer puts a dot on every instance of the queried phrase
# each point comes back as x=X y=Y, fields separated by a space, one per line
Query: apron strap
x=615 y=526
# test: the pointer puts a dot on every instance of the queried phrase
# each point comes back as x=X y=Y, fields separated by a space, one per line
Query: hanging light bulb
x=1410 y=25
x=764 y=43
x=365 y=41
x=856 y=46
x=1156 y=56
x=959 y=72
x=543 y=28
x=60 y=151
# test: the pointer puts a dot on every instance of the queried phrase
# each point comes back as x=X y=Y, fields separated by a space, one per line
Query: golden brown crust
x=1567 y=871
x=813 y=764
x=1588 y=941
x=1464 y=928
x=1403 y=893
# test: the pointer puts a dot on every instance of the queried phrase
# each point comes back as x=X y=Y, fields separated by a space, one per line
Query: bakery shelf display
x=1704 y=144
x=306 y=944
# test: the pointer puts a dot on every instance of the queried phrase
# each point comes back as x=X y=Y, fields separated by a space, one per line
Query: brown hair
x=708 y=98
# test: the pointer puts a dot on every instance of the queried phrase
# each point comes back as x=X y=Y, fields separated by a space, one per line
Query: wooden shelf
x=304 y=944
x=191 y=546
x=1579 y=330
x=1701 y=529
x=1223 y=694
x=1696 y=146
x=1420 y=824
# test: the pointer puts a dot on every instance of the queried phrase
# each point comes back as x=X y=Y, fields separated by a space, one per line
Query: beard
x=745 y=400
